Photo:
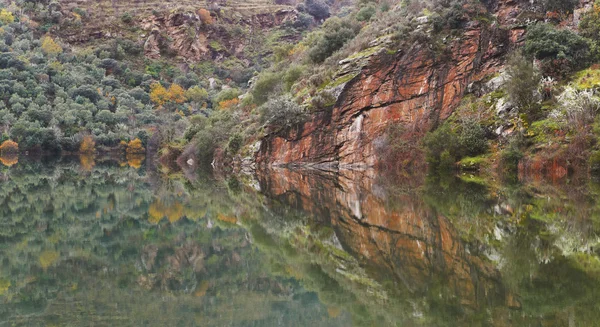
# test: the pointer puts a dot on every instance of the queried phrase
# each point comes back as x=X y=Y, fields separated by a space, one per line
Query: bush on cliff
x=335 y=33
x=282 y=112
x=560 y=50
x=452 y=142
x=522 y=84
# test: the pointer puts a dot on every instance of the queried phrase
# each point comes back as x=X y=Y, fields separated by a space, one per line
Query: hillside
x=465 y=84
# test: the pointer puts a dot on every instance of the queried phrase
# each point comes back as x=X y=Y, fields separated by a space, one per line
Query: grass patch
x=474 y=163
x=587 y=79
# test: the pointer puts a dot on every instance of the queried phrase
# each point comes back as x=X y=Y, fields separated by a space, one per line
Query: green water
x=86 y=243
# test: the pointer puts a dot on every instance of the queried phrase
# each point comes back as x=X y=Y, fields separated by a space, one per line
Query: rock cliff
x=416 y=88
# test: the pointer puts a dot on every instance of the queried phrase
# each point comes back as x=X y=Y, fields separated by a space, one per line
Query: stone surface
x=416 y=88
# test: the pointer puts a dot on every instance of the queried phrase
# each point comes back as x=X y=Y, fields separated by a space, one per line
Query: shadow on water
x=103 y=242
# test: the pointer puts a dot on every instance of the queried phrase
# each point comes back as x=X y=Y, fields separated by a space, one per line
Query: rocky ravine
x=417 y=87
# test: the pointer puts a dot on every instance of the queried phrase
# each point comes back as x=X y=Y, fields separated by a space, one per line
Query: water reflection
x=105 y=243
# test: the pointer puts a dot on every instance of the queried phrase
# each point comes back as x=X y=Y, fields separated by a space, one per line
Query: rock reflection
x=453 y=253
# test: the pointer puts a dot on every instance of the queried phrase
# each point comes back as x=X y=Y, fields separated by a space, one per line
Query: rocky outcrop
x=172 y=28
x=185 y=35
x=417 y=87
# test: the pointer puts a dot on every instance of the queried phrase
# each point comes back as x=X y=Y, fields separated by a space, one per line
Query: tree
x=205 y=16
x=177 y=94
x=523 y=81
x=560 y=50
x=336 y=32
x=158 y=94
x=9 y=147
x=282 y=112
x=135 y=147
x=88 y=145
x=196 y=94
x=318 y=9
x=6 y=17
x=51 y=48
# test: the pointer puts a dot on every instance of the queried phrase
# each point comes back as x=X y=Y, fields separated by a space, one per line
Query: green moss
x=544 y=131
x=587 y=79
x=339 y=81
x=365 y=53
x=474 y=163
x=215 y=45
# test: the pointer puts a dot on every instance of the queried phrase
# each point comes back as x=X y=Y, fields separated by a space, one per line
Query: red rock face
x=417 y=88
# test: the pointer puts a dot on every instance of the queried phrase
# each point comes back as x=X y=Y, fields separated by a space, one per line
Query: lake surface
x=90 y=243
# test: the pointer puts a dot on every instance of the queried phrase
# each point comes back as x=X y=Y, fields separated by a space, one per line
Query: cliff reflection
x=445 y=252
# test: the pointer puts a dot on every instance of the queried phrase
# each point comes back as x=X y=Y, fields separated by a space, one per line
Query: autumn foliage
x=229 y=103
x=6 y=17
x=161 y=96
x=177 y=94
x=205 y=16
x=9 y=160
x=135 y=147
x=9 y=147
x=51 y=48
x=88 y=145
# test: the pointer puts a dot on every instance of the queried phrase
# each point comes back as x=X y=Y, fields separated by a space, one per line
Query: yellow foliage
x=88 y=145
x=9 y=147
x=47 y=258
x=158 y=210
x=229 y=103
x=9 y=160
x=87 y=162
x=135 y=160
x=6 y=17
x=177 y=93
x=227 y=219
x=201 y=291
x=50 y=47
x=4 y=286
x=158 y=94
x=135 y=147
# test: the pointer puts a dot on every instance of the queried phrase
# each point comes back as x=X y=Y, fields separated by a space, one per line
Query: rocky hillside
x=414 y=86
x=190 y=30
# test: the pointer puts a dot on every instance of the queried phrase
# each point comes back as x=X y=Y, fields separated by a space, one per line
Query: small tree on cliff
x=522 y=84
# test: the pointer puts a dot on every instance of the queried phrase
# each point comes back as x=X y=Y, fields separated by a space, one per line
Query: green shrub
x=366 y=13
x=235 y=143
x=562 y=50
x=282 y=112
x=226 y=94
x=292 y=75
x=522 y=84
x=472 y=139
x=126 y=18
x=266 y=85
x=336 y=32
x=510 y=158
x=439 y=141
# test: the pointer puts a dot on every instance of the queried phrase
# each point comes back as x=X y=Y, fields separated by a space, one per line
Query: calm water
x=86 y=243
